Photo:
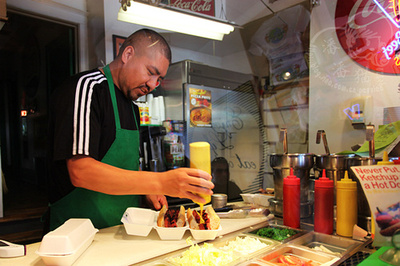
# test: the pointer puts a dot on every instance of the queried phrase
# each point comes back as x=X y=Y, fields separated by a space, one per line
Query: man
x=94 y=136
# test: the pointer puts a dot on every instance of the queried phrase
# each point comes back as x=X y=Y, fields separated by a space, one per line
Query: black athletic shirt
x=82 y=122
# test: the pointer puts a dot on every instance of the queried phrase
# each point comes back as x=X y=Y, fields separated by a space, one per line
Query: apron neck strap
x=110 y=81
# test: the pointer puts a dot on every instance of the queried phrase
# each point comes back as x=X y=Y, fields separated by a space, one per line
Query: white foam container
x=248 y=198
x=205 y=234
x=66 y=243
x=171 y=233
x=138 y=221
x=262 y=200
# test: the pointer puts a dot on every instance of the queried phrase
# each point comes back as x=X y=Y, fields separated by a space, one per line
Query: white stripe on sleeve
x=82 y=105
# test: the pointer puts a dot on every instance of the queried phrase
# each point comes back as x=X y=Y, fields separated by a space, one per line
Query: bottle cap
x=385 y=159
x=323 y=181
x=346 y=182
x=291 y=179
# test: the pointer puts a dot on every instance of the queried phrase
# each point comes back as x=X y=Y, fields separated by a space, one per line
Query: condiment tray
x=313 y=258
x=330 y=244
x=274 y=232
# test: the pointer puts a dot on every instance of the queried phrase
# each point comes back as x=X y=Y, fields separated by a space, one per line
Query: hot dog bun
x=160 y=218
x=191 y=220
x=211 y=219
x=181 y=217
x=214 y=218
x=171 y=217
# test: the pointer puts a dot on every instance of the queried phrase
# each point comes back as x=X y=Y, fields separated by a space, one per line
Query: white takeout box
x=171 y=233
x=262 y=199
x=205 y=234
x=248 y=198
x=138 y=221
x=66 y=243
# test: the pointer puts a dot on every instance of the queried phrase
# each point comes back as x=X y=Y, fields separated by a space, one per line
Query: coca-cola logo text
x=206 y=7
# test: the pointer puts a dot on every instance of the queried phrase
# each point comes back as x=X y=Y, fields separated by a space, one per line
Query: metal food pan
x=335 y=244
x=298 y=232
x=198 y=251
x=244 y=252
x=271 y=258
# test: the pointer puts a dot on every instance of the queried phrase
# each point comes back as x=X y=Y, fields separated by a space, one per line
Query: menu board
x=381 y=185
x=200 y=108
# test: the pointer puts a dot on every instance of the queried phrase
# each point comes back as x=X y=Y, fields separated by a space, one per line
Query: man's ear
x=128 y=53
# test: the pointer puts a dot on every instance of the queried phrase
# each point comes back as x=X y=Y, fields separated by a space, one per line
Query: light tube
x=162 y=18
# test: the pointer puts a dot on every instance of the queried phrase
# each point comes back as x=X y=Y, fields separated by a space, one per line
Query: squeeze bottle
x=385 y=160
x=291 y=200
x=346 y=206
x=200 y=158
x=323 y=205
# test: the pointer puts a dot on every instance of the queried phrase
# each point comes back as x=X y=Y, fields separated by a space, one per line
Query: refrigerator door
x=234 y=131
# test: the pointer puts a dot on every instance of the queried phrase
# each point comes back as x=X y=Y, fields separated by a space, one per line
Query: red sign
x=206 y=7
x=366 y=32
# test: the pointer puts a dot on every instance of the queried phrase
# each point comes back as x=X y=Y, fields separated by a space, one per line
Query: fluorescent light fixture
x=172 y=19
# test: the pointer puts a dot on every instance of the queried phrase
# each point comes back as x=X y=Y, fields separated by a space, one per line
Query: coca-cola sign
x=366 y=32
x=206 y=7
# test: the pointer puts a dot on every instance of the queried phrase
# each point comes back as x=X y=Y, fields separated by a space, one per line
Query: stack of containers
x=152 y=109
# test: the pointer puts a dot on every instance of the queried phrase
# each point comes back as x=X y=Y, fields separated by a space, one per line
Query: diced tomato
x=308 y=263
x=293 y=260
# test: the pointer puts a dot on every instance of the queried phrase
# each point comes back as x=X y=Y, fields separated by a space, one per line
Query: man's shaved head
x=145 y=40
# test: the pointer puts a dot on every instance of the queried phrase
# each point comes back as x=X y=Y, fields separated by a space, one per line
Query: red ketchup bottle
x=323 y=205
x=291 y=200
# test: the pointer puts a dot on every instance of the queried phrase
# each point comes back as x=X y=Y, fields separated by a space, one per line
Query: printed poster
x=381 y=185
x=200 y=108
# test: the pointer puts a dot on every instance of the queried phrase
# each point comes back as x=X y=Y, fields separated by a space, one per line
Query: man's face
x=142 y=73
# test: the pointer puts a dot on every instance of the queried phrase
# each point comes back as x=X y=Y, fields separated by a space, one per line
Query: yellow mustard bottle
x=385 y=159
x=200 y=158
x=346 y=206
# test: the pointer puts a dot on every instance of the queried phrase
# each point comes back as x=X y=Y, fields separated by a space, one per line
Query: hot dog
x=171 y=217
x=211 y=219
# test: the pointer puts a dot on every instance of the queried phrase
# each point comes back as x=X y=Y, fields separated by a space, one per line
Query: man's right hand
x=188 y=183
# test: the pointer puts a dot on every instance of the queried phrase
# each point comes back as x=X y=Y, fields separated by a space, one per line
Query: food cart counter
x=113 y=246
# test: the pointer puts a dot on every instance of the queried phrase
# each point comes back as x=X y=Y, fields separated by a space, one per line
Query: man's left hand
x=157 y=201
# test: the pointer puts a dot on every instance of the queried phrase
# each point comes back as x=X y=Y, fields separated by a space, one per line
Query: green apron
x=103 y=210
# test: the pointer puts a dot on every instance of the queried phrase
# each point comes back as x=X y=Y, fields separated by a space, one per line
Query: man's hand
x=187 y=183
x=156 y=201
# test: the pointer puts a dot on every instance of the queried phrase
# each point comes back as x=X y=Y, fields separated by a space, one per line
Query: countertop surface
x=113 y=246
